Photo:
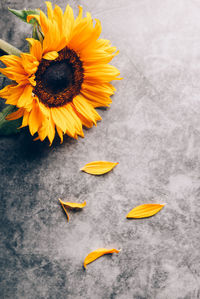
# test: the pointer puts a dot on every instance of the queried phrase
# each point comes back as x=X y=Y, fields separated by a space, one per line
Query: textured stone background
x=152 y=129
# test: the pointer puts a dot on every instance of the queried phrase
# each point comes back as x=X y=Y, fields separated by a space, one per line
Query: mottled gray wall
x=152 y=129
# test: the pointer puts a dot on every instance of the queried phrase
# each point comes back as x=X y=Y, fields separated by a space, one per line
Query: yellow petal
x=92 y=256
x=145 y=210
x=68 y=21
x=51 y=130
x=15 y=115
x=64 y=210
x=25 y=119
x=26 y=97
x=96 y=100
x=71 y=205
x=99 y=167
x=76 y=120
x=60 y=133
x=10 y=60
x=34 y=119
x=44 y=22
x=43 y=131
x=7 y=91
x=85 y=109
x=36 y=48
x=58 y=17
x=100 y=73
x=62 y=119
x=49 y=9
x=51 y=55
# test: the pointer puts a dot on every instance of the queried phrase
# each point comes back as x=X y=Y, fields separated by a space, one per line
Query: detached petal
x=99 y=167
x=71 y=205
x=97 y=253
x=146 y=210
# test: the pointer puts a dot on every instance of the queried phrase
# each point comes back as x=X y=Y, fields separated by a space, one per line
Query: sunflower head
x=64 y=77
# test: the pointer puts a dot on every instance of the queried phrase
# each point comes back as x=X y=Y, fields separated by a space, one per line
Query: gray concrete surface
x=153 y=130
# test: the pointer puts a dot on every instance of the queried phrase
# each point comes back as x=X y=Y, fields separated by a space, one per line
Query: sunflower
x=66 y=75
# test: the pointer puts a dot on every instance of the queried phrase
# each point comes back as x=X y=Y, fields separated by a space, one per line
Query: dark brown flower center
x=58 y=76
x=60 y=80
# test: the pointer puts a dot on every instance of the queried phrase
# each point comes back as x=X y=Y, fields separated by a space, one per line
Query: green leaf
x=22 y=14
x=8 y=127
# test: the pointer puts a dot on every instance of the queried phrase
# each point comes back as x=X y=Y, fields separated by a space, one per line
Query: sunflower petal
x=30 y=63
x=86 y=35
x=97 y=100
x=146 y=210
x=43 y=130
x=84 y=108
x=92 y=256
x=65 y=211
x=70 y=128
x=58 y=17
x=36 y=48
x=35 y=119
x=26 y=98
x=61 y=117
x=105 y=89
x=25 y=119
x=15 y=115
x=98 y=167
x=71 y=205
x=101 y=73
x=51 y=55
x=49 y=9
x=44 y=109
x=86 y=122
x=15 y=73
x=44 y=22
x=68 y=21
x=6 y=91
x=11 y=60
x=76 y=120
x=51 y=130
x=52 y=39
x=60 y=133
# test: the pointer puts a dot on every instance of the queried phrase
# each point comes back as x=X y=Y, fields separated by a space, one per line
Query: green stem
x=8 y=48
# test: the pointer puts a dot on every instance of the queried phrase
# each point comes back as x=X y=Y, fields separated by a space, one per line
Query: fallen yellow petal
x=99 y=167
x=92 y=256
x=71 y=205
x=145 y=210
